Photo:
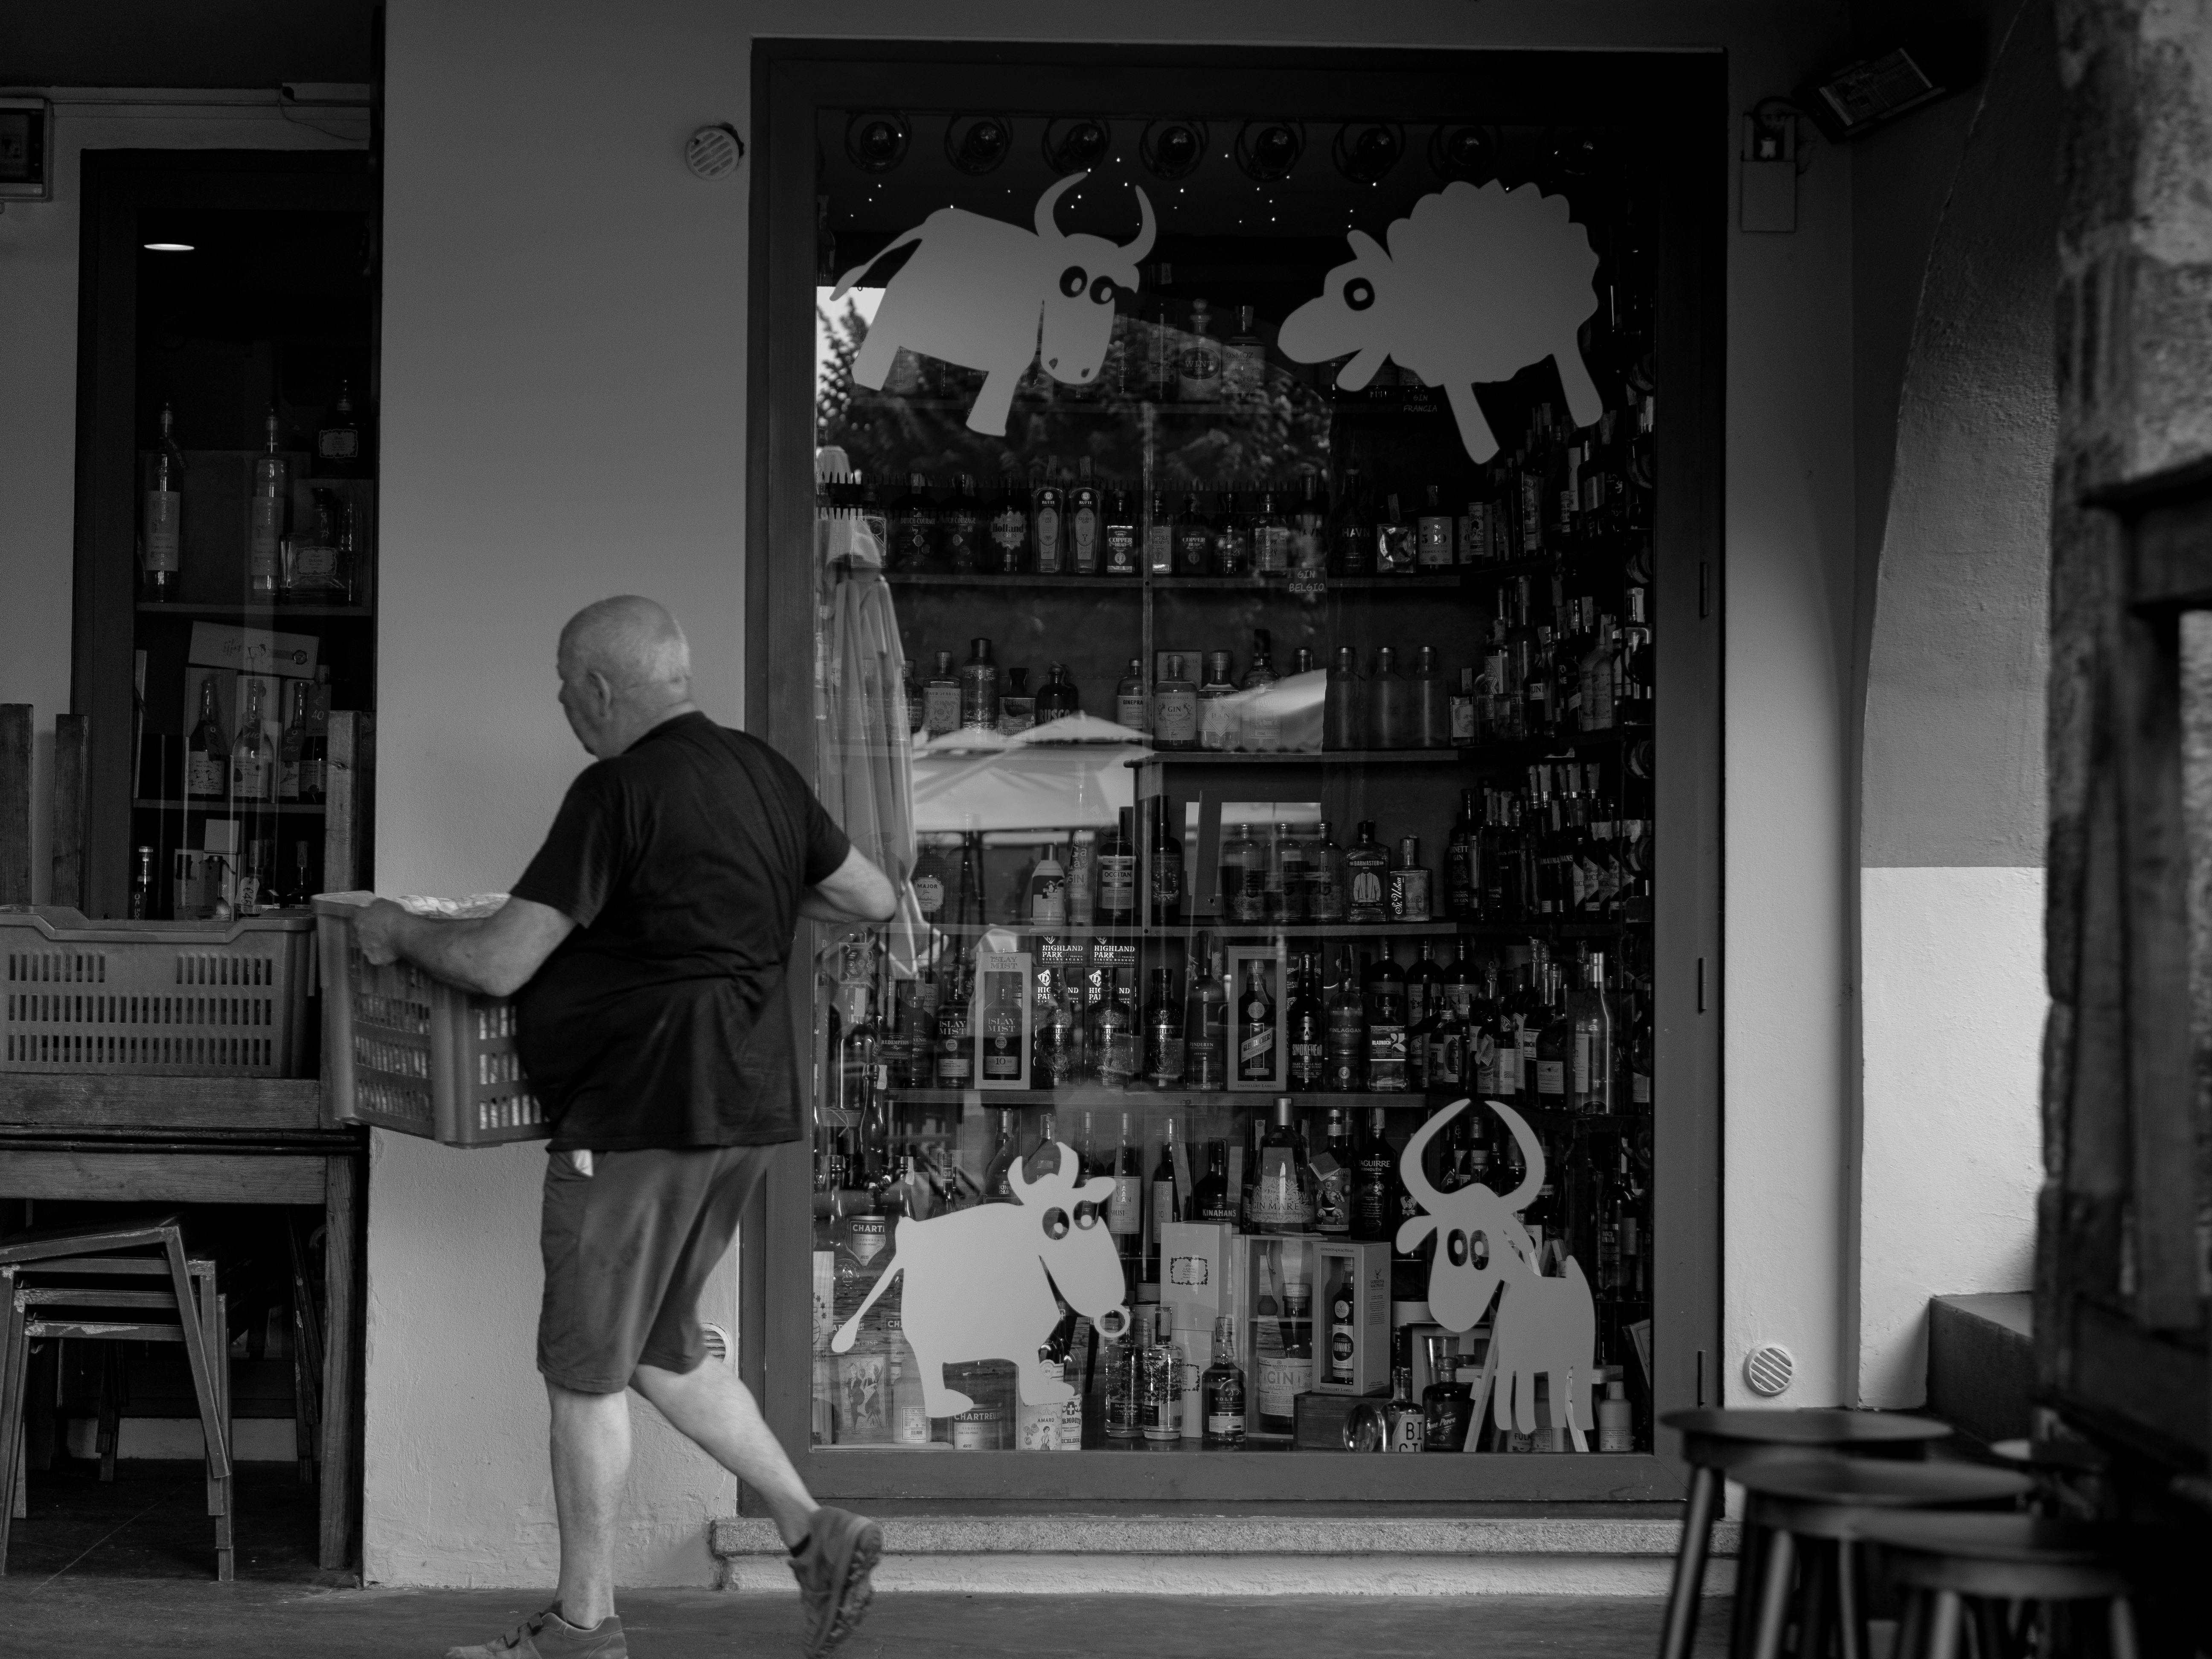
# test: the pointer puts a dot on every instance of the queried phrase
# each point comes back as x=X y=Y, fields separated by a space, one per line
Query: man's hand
x=378 y=929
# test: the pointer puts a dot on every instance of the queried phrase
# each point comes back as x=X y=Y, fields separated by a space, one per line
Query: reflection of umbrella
x=1033 y=786
x=863 y=769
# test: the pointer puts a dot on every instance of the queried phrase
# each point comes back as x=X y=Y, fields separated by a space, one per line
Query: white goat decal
x=1477 y=285
x=1543 y=1327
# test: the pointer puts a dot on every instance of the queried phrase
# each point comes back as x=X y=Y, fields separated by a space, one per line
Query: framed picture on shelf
x=1002 y=1018
x=1259 y=1044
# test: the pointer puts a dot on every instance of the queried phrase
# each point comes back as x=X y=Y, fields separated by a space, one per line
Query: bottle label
x=262 y=538
x=165 y=512
x=1047 y=541
x=1002 y=1054
x=203 y=776
x=956 y=1065
x=1551 y=1077
x=1121 y=549
x=1129 y=710
x=1434 y=550
x=1159 y=550
x=929 y=894
x=1283 y=1378
x=940 y=707
x=1278 y=1201
x=1117 y=883
x=1009 y=530
x=1271 y=549
x=1509 y=1068
x=1409 y=895
x=1386 y=1058
x=1194 y=546
x=249 y=777
x=1117 y=1061
x=1446 y=1060
x=1167 y=1061
x=1255 y=1050
x=1176 y=719
x=1308 y=1064
x=1226 y=1424
x=1367 y=887
x=288 y=781
x=1463 y=718
x=1217 y=723
x=1580 y=1062
x=1083 y=538
x=1125 y=1212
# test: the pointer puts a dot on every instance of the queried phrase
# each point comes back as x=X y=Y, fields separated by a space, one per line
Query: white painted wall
x=38 y=382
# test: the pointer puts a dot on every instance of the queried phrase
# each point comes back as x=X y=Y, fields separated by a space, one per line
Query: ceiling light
x=168 y=247
x=1173 y=149
x=1269 y=150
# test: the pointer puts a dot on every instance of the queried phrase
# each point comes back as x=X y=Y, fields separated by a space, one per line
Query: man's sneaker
x=832 y=1567
x=548 y=1636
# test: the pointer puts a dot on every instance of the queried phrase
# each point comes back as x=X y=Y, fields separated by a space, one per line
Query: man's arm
x=856 y=890
x=494 y=954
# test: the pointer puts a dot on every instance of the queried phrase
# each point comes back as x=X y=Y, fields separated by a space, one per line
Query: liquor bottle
x=1307 y=1033
x=933 y=879
x=162 y=528
x=1159 y=1410
x=962 y=536
x=1374 y=1180
x=1432 y=537
x=1164 y=1041
x=1346 y=1016
x=1410 y=886
x=1005 y=1152
x=338 y=442
x=1117 y=1048
x=1425 y=985
x=1123 y=1362
x=1340 y=1299
x=1555 y=1044
x=1048 y=527
x=1243 y=872
x=1283 y=1187
x=1057 y=698
x=289 y=746
x=1197 y=369
x=956 y=1048
x=1285 y=895
x=1159 y=537
x=1129 y=698
x=1309 y=530
x=1368 y=867
x=1085 y=541
x=1193 y=538
x=940 y=698
x=1059 y=1056
x=1261 y=725
x=1205 y=1028
x=1122 y=549
x=252 y=758
x=1389 y=704
x=1460 y=706
x=1211 y=1198
x=1174 y=708
x=1344 y=708
x=1271 y=539
x=1009 y=527
x=1334 y=1170
x=315 y=742
x=1429 y=722
x=1329 y=880
x=1165 y=902
x=979 y=688
x=914 y=527
x=266 y=516
x=1256 y=1060
x=1244 y=360
x=141 y=886
x=1394 y=542
x=1217 y=715
x=1047 y=890
x=1221 y=1391
x=1404 y=1412
x=1352 y=538
x=1288 y=1373
x=1125 y=1210
x=1018 y=704
x=1231 y=554
x=1116 y=905
x=1591 y=1060
x=1461 y=871
x=1385 y=994
x=1163 y=1204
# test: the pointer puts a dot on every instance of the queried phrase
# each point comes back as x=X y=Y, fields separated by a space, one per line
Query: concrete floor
x=70 y=1617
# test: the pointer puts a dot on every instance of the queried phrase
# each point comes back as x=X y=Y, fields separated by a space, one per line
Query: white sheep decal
x=1477 y=285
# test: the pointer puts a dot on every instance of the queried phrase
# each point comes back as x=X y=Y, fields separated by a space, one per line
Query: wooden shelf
x=1026 y=580
x=251 y=612
x=1438 y=927
x=1324 y=758
x=232 y=809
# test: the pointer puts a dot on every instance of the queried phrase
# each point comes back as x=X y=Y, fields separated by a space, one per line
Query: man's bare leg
x=713 y=1408
x=591 y=1461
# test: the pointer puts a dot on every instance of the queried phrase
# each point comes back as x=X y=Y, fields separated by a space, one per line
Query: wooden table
x=214 y=1141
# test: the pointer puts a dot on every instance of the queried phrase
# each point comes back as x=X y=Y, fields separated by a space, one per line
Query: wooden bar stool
x=44 y=1288
x=1812 y=1506
x=1716 y=1441
x=2020 y=1576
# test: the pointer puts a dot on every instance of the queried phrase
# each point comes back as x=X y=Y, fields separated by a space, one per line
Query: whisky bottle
x=265 y=517
x=1084 y=539
x=1159 y=537
x=1205 y=1028
x=1047 y=526
x=1307 y=1033
x=1283 y=1188
x=1117 y=1048
x=1125 y=1210
x=956 y=1048
x=1271 y=539
x=1211 y=1198
x=1374 y=1178
x=1256 y=1028
x=1394 y=542
x=1425 y=985
x=291 y=745
x=1590 y=1059
x=338 y=443
x=1175 y=709
x=1343 y=1331
x=1409 y=883
x=960 y=533
x=1244 y=878
x=1352 y=538
x=1347 y=1038
x=1165 y=902
x=162 y=528
x=1047 y=890
x=252 y=760
x=1116 y=904
x=1159 y=1411
x=1129 y=698
x=1057 y=698
x=1554 y=1047
x=940 y=698
x=1260 y=728
x=979 y=689
x=1193 y=538
x=1161 y=1204
x=1221 y=1391
x=1327 y=878
x=1118 y=535
x=1286 y=892
x=1164 y=1039
x=1009 y=522
x=1333 y=1168
x=1368 y=867
x=1461 y=869
x=1217 y=715
x=1432 y=537
x=1059 y=1046
x=1232 y=539
x=1385 y=993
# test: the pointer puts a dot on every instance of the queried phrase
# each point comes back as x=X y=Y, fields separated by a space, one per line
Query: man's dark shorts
x=628 y=1250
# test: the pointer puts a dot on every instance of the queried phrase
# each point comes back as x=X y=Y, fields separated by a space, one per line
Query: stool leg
x=1679 y=1635
x=1774 y=1576
x=1945 y=1616
x=13 y=1342
x=1990 y=1637
x=1911 y=1625
x=111 y=1409
x=1851 y=1641
x=198 y=1356
x=215 y=1322
x=1750 y=1560
x=1815 y=1596
x=2121 y=1616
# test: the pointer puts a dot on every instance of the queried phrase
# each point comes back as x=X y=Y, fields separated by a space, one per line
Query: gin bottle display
x=162 y=523
x=1174 y=708
x=1221 y=1391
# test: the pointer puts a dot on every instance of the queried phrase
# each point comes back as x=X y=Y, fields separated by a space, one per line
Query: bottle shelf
x=216 y=806
x=1577 y=927
x=1144 y=1098
x=249 y=612
x=1026 y=580
x=1537 y=749
x=1299 y=757
x=1032 y=581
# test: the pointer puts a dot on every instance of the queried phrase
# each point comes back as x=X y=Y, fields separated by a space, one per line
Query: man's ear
x=603 y=691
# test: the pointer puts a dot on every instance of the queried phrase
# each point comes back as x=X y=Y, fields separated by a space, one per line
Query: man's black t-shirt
x=658 y=1021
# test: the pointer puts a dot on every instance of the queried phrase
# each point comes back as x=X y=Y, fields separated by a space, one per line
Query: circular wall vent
x=718 y=1342
x=713 y=152
x=1767 y=1368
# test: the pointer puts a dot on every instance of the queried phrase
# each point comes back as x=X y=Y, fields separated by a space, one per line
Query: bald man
x=646 y=947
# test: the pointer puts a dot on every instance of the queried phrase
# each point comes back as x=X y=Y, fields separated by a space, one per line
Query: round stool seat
x=2069 y=1456
x=1718 y=1437
x=2012 y=1557
x=1827 y=1497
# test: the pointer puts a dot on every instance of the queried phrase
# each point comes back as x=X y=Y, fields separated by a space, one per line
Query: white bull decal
x=1544 y=1327
x=989 y=295
x=980 y=1282
x=1477 y=285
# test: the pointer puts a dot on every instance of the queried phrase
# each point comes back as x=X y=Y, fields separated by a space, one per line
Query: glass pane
x=1235 y=602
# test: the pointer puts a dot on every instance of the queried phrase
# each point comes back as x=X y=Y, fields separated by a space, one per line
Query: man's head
x=625 y=667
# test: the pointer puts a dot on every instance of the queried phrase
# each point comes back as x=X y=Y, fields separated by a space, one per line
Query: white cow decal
x=987 y=295
x=980 y=1282
x=1477 y=285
